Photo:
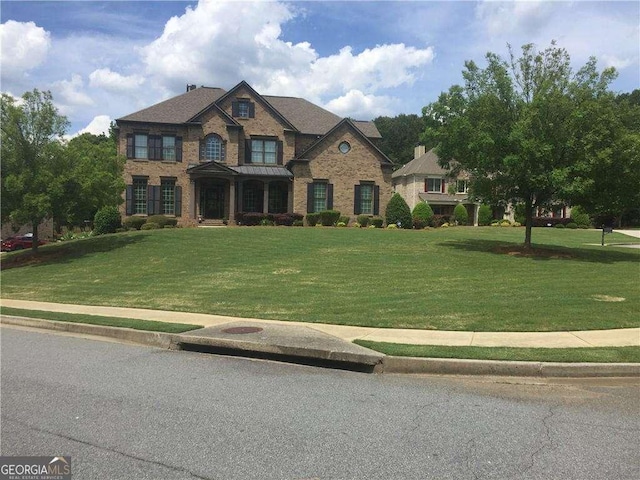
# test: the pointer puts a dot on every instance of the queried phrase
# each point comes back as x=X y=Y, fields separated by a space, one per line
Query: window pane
x=168 y=197
x=270 y=152
x=366 y=199
x=139 y=196
x=168 y=148
x=319 y=197
x=243 y=109
x=434 y=184
x=213 y=149
x=462 y=186
x=141 y=146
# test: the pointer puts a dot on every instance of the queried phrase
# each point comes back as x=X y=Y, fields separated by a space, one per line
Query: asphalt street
x=124 y=411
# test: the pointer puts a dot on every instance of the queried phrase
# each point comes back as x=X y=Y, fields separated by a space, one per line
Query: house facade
x=423 y=179
x=209 y=154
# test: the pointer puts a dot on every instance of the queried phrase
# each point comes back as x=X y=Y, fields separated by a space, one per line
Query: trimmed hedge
x=161 y=220
x=134 y=223
x=398 y=212
x=377 y=222
x=422 y=215
x=485 y=215
x=328 y=218
x=106 y=220
x=363 y=220
x=460 y=214
x=312 y=219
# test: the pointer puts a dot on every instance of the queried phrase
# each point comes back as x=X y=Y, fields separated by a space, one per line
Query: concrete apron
x=305 y=346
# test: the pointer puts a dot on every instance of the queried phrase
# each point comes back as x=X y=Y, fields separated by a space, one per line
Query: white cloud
x=507 y=17
x=97 y=126
x=359 y=106
x=68 y=94
x=24 y=46
x=113 y=81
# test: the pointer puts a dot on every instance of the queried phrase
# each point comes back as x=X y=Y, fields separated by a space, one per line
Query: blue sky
x=104 y=60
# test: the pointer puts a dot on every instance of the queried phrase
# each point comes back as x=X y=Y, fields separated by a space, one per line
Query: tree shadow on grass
x=543 y=252
x=64 y=252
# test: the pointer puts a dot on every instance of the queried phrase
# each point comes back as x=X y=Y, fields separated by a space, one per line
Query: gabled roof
x=178 y=109
x=426 y=164
x=384 y=160
x=297 y=114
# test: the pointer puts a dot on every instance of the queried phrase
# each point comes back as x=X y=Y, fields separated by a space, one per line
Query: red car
x=19 y=243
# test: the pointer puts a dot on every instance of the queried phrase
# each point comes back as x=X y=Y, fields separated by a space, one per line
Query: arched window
x=212 y=149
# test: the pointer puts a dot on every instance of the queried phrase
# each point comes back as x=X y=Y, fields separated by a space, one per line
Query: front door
x=212 y=201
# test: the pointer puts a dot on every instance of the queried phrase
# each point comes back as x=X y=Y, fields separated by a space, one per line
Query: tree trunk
x=34 y=245
x=528 y=223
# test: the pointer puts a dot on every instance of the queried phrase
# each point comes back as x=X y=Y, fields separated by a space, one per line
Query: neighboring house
x=424 y=179
x=208 y=154
x=45 y=230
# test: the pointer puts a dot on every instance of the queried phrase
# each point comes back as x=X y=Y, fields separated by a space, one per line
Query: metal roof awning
x=444 y=199
x=261 y=171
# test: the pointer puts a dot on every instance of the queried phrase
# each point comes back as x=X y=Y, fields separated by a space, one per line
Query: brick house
x=424 y=179
x=208 y=154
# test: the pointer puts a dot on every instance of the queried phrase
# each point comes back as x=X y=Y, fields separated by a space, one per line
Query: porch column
x=265 y=197
x=192 y=199
x=232 y=202
x=240 y=206
x=290 y=198
x=476 y=210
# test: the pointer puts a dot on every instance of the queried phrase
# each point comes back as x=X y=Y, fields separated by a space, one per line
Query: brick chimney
x=419 y=150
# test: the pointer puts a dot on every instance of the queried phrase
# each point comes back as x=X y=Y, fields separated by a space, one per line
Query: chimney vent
x=190 y=87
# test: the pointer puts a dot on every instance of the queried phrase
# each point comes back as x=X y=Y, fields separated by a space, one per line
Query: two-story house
x=208 y=154
x=423 y=179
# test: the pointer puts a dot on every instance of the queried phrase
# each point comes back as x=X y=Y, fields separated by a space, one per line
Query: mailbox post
x=606 y=230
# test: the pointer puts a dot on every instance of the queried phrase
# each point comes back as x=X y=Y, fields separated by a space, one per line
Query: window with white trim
x=461 y=186
x=433 y=185
x=139 y=196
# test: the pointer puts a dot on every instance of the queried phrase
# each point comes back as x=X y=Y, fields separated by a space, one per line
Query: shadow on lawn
x=66 y=251
x=540 y=252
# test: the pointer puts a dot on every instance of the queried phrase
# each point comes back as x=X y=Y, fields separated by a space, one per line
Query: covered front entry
x=212 y=200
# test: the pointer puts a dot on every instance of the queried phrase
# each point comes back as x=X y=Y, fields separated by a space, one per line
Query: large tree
x=399 y=135
x=32 y=154
x=515 y=127
x=94 y=178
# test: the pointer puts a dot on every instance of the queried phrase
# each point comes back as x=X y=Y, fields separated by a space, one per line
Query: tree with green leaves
x=33 y=171
x=398 y=212
x=94 y=181
x=513 y=127
x=399 y=136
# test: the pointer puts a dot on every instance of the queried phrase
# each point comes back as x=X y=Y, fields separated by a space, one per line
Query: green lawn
x=134 y=323
x=459 y=278
x=571 y=355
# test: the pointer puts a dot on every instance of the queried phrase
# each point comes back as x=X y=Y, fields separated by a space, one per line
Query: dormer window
x=243 y=108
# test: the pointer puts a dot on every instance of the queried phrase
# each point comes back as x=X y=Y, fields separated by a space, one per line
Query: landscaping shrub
x=559 y=225
x=298 y=223
x=580 y=217
x=485 y=215
x=150 y=226
x=572 y=225
x=398 y=212
x=287 y=219
x=422 y=214
x=134 y=223
x=161 y=220
x=505 y=223
x=377 y=222
x=392 y=226
x=344 y=219
x=312 y=219
x=549 y=221
x=253 y=218
x=341 y=224
x=460 y=214
x=519 y=213
x=328 y=218
x=439 y=220
x=363 y=220
x=106 y=220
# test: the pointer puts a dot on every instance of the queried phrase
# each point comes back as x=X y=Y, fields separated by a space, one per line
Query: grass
x=567 y=355
x=133 y=323
x=459 y=278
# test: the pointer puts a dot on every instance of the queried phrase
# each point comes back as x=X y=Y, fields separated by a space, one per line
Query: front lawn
x=459 y=278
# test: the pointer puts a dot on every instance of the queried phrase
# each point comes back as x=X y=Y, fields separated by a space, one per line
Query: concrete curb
x=388 y=364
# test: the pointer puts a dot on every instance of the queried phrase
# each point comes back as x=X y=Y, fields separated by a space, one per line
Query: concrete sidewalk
x=574 y=339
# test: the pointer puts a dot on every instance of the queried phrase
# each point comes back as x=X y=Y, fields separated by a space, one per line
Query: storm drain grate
x=242 y=330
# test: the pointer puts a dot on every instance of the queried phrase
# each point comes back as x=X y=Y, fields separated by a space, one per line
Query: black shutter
x=247 y=151
x=178 y=205
x=356 y=200
x=150 y=193
x=130 y=146
x=252 y=110
x=154 y=147
x=178 y=149
x=376 y=199
x=129 y=200
x=234 y=109
x=280 y=154
x=310 y=197
x=223 y=151
x=329 y=196
x=202 y=144
x=157 y=196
